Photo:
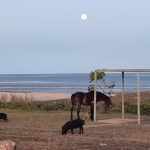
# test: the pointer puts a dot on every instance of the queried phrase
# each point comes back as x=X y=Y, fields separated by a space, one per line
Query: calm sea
x=66 y=83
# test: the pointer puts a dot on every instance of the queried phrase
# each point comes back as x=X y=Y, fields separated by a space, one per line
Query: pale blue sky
x=48 y=36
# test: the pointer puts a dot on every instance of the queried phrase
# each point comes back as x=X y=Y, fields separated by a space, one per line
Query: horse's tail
x=72 y=107
x=72 y=99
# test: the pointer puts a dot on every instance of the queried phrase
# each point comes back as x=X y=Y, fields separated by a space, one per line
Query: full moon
x=83 y=16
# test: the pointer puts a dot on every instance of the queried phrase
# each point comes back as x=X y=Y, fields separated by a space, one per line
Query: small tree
x=100 y=76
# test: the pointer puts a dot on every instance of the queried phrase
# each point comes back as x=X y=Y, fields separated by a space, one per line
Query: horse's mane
x=98 y=94
x=90 y=97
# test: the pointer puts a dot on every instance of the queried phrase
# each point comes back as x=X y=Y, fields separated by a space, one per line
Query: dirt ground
x=42 y=131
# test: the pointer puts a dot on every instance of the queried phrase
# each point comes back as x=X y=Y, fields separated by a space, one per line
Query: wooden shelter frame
x=122 y=71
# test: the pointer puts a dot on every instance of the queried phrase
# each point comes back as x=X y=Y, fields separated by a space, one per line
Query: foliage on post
x=100 y=75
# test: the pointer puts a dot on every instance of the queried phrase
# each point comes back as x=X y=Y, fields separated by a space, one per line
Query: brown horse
x=81 y=98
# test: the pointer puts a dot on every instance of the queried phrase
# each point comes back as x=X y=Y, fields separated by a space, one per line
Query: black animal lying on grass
x=70 y=125
x=3 y=116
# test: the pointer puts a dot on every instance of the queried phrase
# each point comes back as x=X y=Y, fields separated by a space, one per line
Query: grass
x=38 y=130
x=37 y=126
x=29 y=104
x=22 y=104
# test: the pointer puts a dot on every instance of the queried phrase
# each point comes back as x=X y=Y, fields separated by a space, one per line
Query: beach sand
x=9 y=96
x=115 y=97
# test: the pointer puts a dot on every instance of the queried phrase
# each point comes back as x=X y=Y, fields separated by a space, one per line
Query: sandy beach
x=8 y=96
x=13 y=96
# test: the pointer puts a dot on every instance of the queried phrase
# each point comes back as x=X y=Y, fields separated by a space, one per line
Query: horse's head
x=103 y=97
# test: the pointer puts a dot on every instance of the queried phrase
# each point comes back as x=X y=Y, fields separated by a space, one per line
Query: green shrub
x=145 y=108
x=132 y=108
x=29 y=106
x=64 y=105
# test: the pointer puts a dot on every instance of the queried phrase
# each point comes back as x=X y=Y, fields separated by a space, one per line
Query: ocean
x=68 y=83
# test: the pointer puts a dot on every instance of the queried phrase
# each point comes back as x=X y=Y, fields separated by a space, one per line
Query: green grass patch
x=132 y=108
x=33 y=105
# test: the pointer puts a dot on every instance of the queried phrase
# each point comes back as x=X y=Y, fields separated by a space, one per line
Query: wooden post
x=95 y=87
x=138 y=97
x=122 y=95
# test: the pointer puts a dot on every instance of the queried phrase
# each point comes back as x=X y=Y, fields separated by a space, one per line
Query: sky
x=48 y=36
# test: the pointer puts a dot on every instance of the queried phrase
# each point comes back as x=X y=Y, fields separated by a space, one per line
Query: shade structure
x=122 y=71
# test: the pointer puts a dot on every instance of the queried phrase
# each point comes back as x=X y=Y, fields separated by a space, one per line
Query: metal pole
x=138 y=97
x=122 y=95
x=95 y=86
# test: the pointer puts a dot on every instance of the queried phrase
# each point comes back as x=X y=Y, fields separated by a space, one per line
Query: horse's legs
x=81 y=130
x=92 y=112
x=72 y=131
x=78 y=111
x=87 y=113
x=72 y=112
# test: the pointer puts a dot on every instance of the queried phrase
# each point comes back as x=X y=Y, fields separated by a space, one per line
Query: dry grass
x=42 y=131
x=37 y=130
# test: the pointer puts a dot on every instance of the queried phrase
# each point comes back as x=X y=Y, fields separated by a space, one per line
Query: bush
x=65 y=105
x=132 y=108
x=39 y=106
x=145 y=108
x=100 y=75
